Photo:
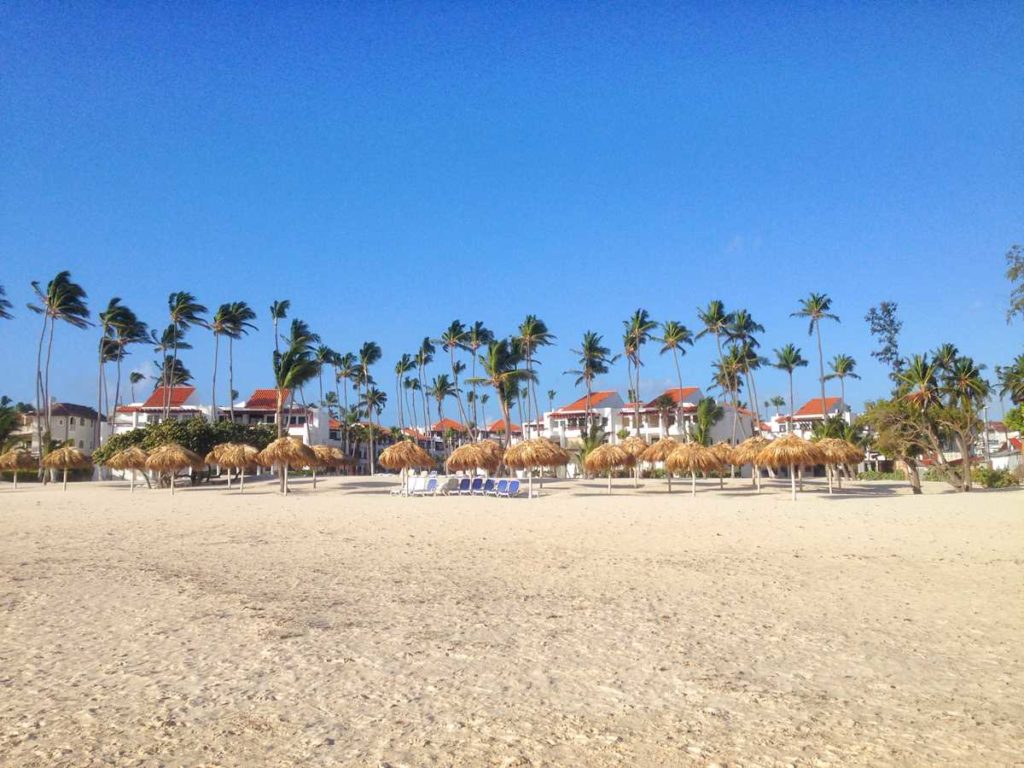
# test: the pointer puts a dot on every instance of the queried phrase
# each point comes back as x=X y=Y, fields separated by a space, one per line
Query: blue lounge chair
x=512 y=489
x=488 y=486
x=463 y=486
x=502 y=489
x=477 y=488
x=429 y=490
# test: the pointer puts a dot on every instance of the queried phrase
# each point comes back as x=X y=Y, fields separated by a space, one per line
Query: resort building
x=183 y=405
x=311 y=425
x=70 y=424
x=810 y=413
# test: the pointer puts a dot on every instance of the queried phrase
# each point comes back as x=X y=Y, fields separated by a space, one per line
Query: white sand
x=347 y=627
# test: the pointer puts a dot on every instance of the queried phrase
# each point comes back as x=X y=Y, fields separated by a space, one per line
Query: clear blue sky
x=391 y=167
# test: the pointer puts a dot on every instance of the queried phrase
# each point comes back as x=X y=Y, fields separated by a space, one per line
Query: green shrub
x=874 y=475
x=993 y=478
x=196 y=434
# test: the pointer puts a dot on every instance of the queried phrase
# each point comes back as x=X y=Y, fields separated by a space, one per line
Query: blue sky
x=391 y=167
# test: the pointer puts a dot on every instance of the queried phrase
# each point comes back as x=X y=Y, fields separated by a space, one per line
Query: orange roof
x=596 y=398
x=678 y=395
x=265 y=399
x=445 y=424
x=178 y=397
x=813 y=407
x=499 y=426
x=333 y=424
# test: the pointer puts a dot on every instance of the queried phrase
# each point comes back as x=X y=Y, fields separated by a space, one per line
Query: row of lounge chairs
x=454 y=486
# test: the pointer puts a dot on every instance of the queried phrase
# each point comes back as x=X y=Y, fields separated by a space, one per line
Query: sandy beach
x=347 y=627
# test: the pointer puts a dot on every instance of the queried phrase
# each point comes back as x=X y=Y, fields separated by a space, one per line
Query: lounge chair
x=488 y=487
x=463 y=488
x=477 y=488
x=501 y=489
x=429 y=489
x=512 y=489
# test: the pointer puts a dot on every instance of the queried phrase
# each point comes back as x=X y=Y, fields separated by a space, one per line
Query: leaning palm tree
x=411 y=385
x=240 y=318
x=816 y=308
x=455 y=338
x=424 y=357
x=1011 y=380
x=115 y=320
x=728 y=376
x=594 y=360
x=500 y=369
x=373 y=401
x=477 y=336
x=788 y=359
x=533 y=333
x=441 y=388
x=218 y=326
x=5 y=305
x=62 y=300
x=638 y=330
x=842 y=367
x=135 y=377
x=184 y=312
x=278 y=312
x=674 y=338
x=402 y=366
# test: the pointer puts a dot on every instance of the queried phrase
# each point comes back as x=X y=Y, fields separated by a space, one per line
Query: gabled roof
x=265 y=399
x=445 y=424
x=178 y=396
x=678 y=395
x=73 y=409
x=596 y=398
x=813 y=407
x=499 y=426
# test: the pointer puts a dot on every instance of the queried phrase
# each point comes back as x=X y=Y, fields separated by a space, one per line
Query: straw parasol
x=792 y=452
x=171 y=457
x=67 y=458
x=286 y=452
x=635 y=447
x=17 y=459
x=605 y=458
x=746 y=453
x=693 y=458
x=327 y=457
x=238 y=456
x=660 y=451
x=133 y=458
x=473 y=456
x=533 y=454
x=836 y=451
x=405 y=455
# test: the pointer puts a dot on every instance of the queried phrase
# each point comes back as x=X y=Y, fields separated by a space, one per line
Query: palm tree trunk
x=213 y=397
x=458 y=392
x=170 y=378
x=636 y=407
x=821 y=371
x=231 y=378
x=792 y=481
x=39 y=392
x=586 y=417
x=791 y=412
x=46 y=378
x=117 y=392
x=398 y=393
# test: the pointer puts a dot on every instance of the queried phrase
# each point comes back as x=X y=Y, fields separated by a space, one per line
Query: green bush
x=873 y=475
x=196 y=434
x=993 y=478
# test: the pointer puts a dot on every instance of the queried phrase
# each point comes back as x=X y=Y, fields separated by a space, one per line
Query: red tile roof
x=178 y=397
x=1015 y=442
x=333 y=424
x=499 y=426
x=445 y=424
x=265 y=399
x=596 y=398
x=813 y=407
x=677 y=394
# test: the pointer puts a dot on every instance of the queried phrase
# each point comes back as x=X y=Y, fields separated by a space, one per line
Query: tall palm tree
x=594 y=359
x=715 y=321
x=292 y=369
x=484 y=399
x=116 y=316
x=777 y=402
x=278 y=312
x=741 y=330
x=411 y=385
x=551 y=399
x=816 y=308
x=477 y=336
x=453 y=338
x=373 y=402
x=240 y=317
x=728 y=377
x=424 y=357
x=638 y=330
x=440 y=389
x=403 y=366
x=218 y=326
x=842 y=367
x=967 y=390
x=345 y=368
x=1011 y=380
x=63 y=300
x=5 y=305
x=135 y=378
x=184 y=312
x=369 y=354
x=500 y=370
x=323 y=356
x=788 y=359
x=533 y=333
x=132 y=331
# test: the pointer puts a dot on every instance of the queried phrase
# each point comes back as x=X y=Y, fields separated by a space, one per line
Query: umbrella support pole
x=693 y=483
x=132 y=486
x=314 y=479
x=172 y=483
x=828 y=471
x=757 y=477
x=65 y=480
x=530 y=484
x=669 y=476
x=15 y=479
x=285 y=477
x=241 y=481
x=609 y=482
x=792 y=481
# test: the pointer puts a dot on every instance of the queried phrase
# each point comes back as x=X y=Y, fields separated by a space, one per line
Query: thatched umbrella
x=605 y=458
x=746 y=453
x=327 y=457
x=634 y=446
x=660 y=451
x=405 y=455
x=215 y=455
x=473 y=456
x=67 y=458
x=171 y=457
x=286 y=452
x=836 y=451
x=493 y=449
x=724 y=452
x=17 y=459
x=132 y=458
x=792 y=452
x=693 y=458
x=238 y=456
x=533 y=454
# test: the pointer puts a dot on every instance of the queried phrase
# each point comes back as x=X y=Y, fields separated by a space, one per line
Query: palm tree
x=62 y=300
x=638 y=329
x=477 y=336
x=484 y=399
x=135 y=378
x=5 y=305
x=500 y=369
x=278 y=312
x=816 y=308
x=728 y=377
x=715 y=321
x=184 y=312
x=968 y=391
x=424 y=357
x=533 y=333
x=1011 y=380
x=373 y=401
x=453 y=338
x=842 y=367
x=218 y=325
x=369 y=354
x=411 y=385
x=594 y=359
x=238 y=323
x=708 y=414
x=788 y=359
x=403 y=366
x=776 y=402
x=323 y=356
x=741 y=330
x=115 y=317
x=292 y=368
x=440 y=388
x=551 y=399
x=674 y=338
x=173 y=372
x=345 y=368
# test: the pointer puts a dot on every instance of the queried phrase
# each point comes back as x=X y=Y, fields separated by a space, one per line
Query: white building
x=69 y=424
x=809 y=414
x=182 y=402
x=311 y=425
